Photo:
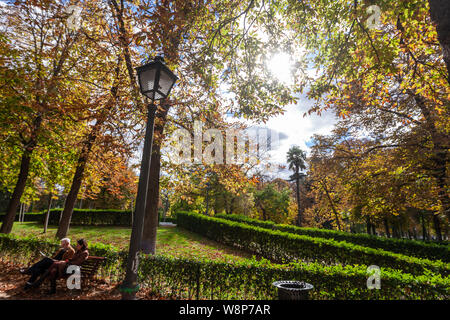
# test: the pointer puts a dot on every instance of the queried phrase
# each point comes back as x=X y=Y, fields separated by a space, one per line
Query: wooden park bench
x=90 y=267
x=88 y=271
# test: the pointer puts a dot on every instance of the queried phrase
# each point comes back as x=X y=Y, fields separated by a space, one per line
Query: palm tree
x=296 y=158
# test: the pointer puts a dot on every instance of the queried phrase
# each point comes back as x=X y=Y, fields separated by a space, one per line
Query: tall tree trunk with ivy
x=66 y=215
x=13 y=204
x=440 y=14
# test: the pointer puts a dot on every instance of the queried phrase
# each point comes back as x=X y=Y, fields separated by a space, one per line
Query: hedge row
x=283 y=246
x=85 y=217
x=22 y=250
x=432 y=251
x=251 y=279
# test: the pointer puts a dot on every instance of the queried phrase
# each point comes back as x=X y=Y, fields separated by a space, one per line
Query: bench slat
x=90 y=267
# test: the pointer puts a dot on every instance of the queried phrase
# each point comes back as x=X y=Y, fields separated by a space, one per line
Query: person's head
x=65 y=242
x=81 y=245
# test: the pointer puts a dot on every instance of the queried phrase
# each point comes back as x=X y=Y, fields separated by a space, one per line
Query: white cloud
x=298 y=129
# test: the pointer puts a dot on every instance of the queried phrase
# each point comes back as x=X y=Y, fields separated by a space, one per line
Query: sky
x=294 y=129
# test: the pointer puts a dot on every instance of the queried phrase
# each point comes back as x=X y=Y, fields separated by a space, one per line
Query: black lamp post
x=155 y=81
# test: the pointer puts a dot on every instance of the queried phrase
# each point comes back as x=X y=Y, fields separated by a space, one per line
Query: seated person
x=58 y=268
x=65 y=252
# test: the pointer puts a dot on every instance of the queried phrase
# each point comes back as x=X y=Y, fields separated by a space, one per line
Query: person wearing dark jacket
x=58 y=268
x=65 y=252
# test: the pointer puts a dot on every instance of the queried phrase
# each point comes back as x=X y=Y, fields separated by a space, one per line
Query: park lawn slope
x=171 y=241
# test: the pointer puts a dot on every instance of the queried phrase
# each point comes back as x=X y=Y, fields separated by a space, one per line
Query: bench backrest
x=90 y=267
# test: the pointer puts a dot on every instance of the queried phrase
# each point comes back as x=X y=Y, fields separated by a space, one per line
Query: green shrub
x=251 y=279
x=283 y=246
x=92 y=217
x=25 y=249
x=28 y=217
x=83 y=217
x=432 y=251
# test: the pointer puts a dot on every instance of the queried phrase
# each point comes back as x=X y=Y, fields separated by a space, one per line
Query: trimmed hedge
x=251 y=279
x=432 y=251
x=22 y=250
x=92 y=217
x=82 y=217
x=28 y=217
x=284 y=247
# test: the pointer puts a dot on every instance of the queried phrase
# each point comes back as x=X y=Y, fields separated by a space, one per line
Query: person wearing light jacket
x=64 y=253
x=58 y=268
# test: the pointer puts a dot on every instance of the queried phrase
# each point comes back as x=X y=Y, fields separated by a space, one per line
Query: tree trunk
x=396 y=230
x=386 y=228
x=21 y=208
x=207 y=202
x=374 y=232
x=11 y=210
x=439 y=158
x=332 y=205
x=424 y=229
x=264 y=213
x=71 y=198
x=231 y=204
x=352 y=228
x=47 y=215
x=401 y=230
x=297 y=193
x=437 y=227
x=368 y=229
x=148 y=242
x=440 y=14
x=66 y=215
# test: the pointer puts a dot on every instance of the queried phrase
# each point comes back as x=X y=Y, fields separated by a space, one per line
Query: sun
x=280 y=66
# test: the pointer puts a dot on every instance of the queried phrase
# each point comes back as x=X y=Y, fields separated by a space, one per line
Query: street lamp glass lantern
x=156 y=79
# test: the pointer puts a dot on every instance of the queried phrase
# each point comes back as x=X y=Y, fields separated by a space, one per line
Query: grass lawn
x=171 y=241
